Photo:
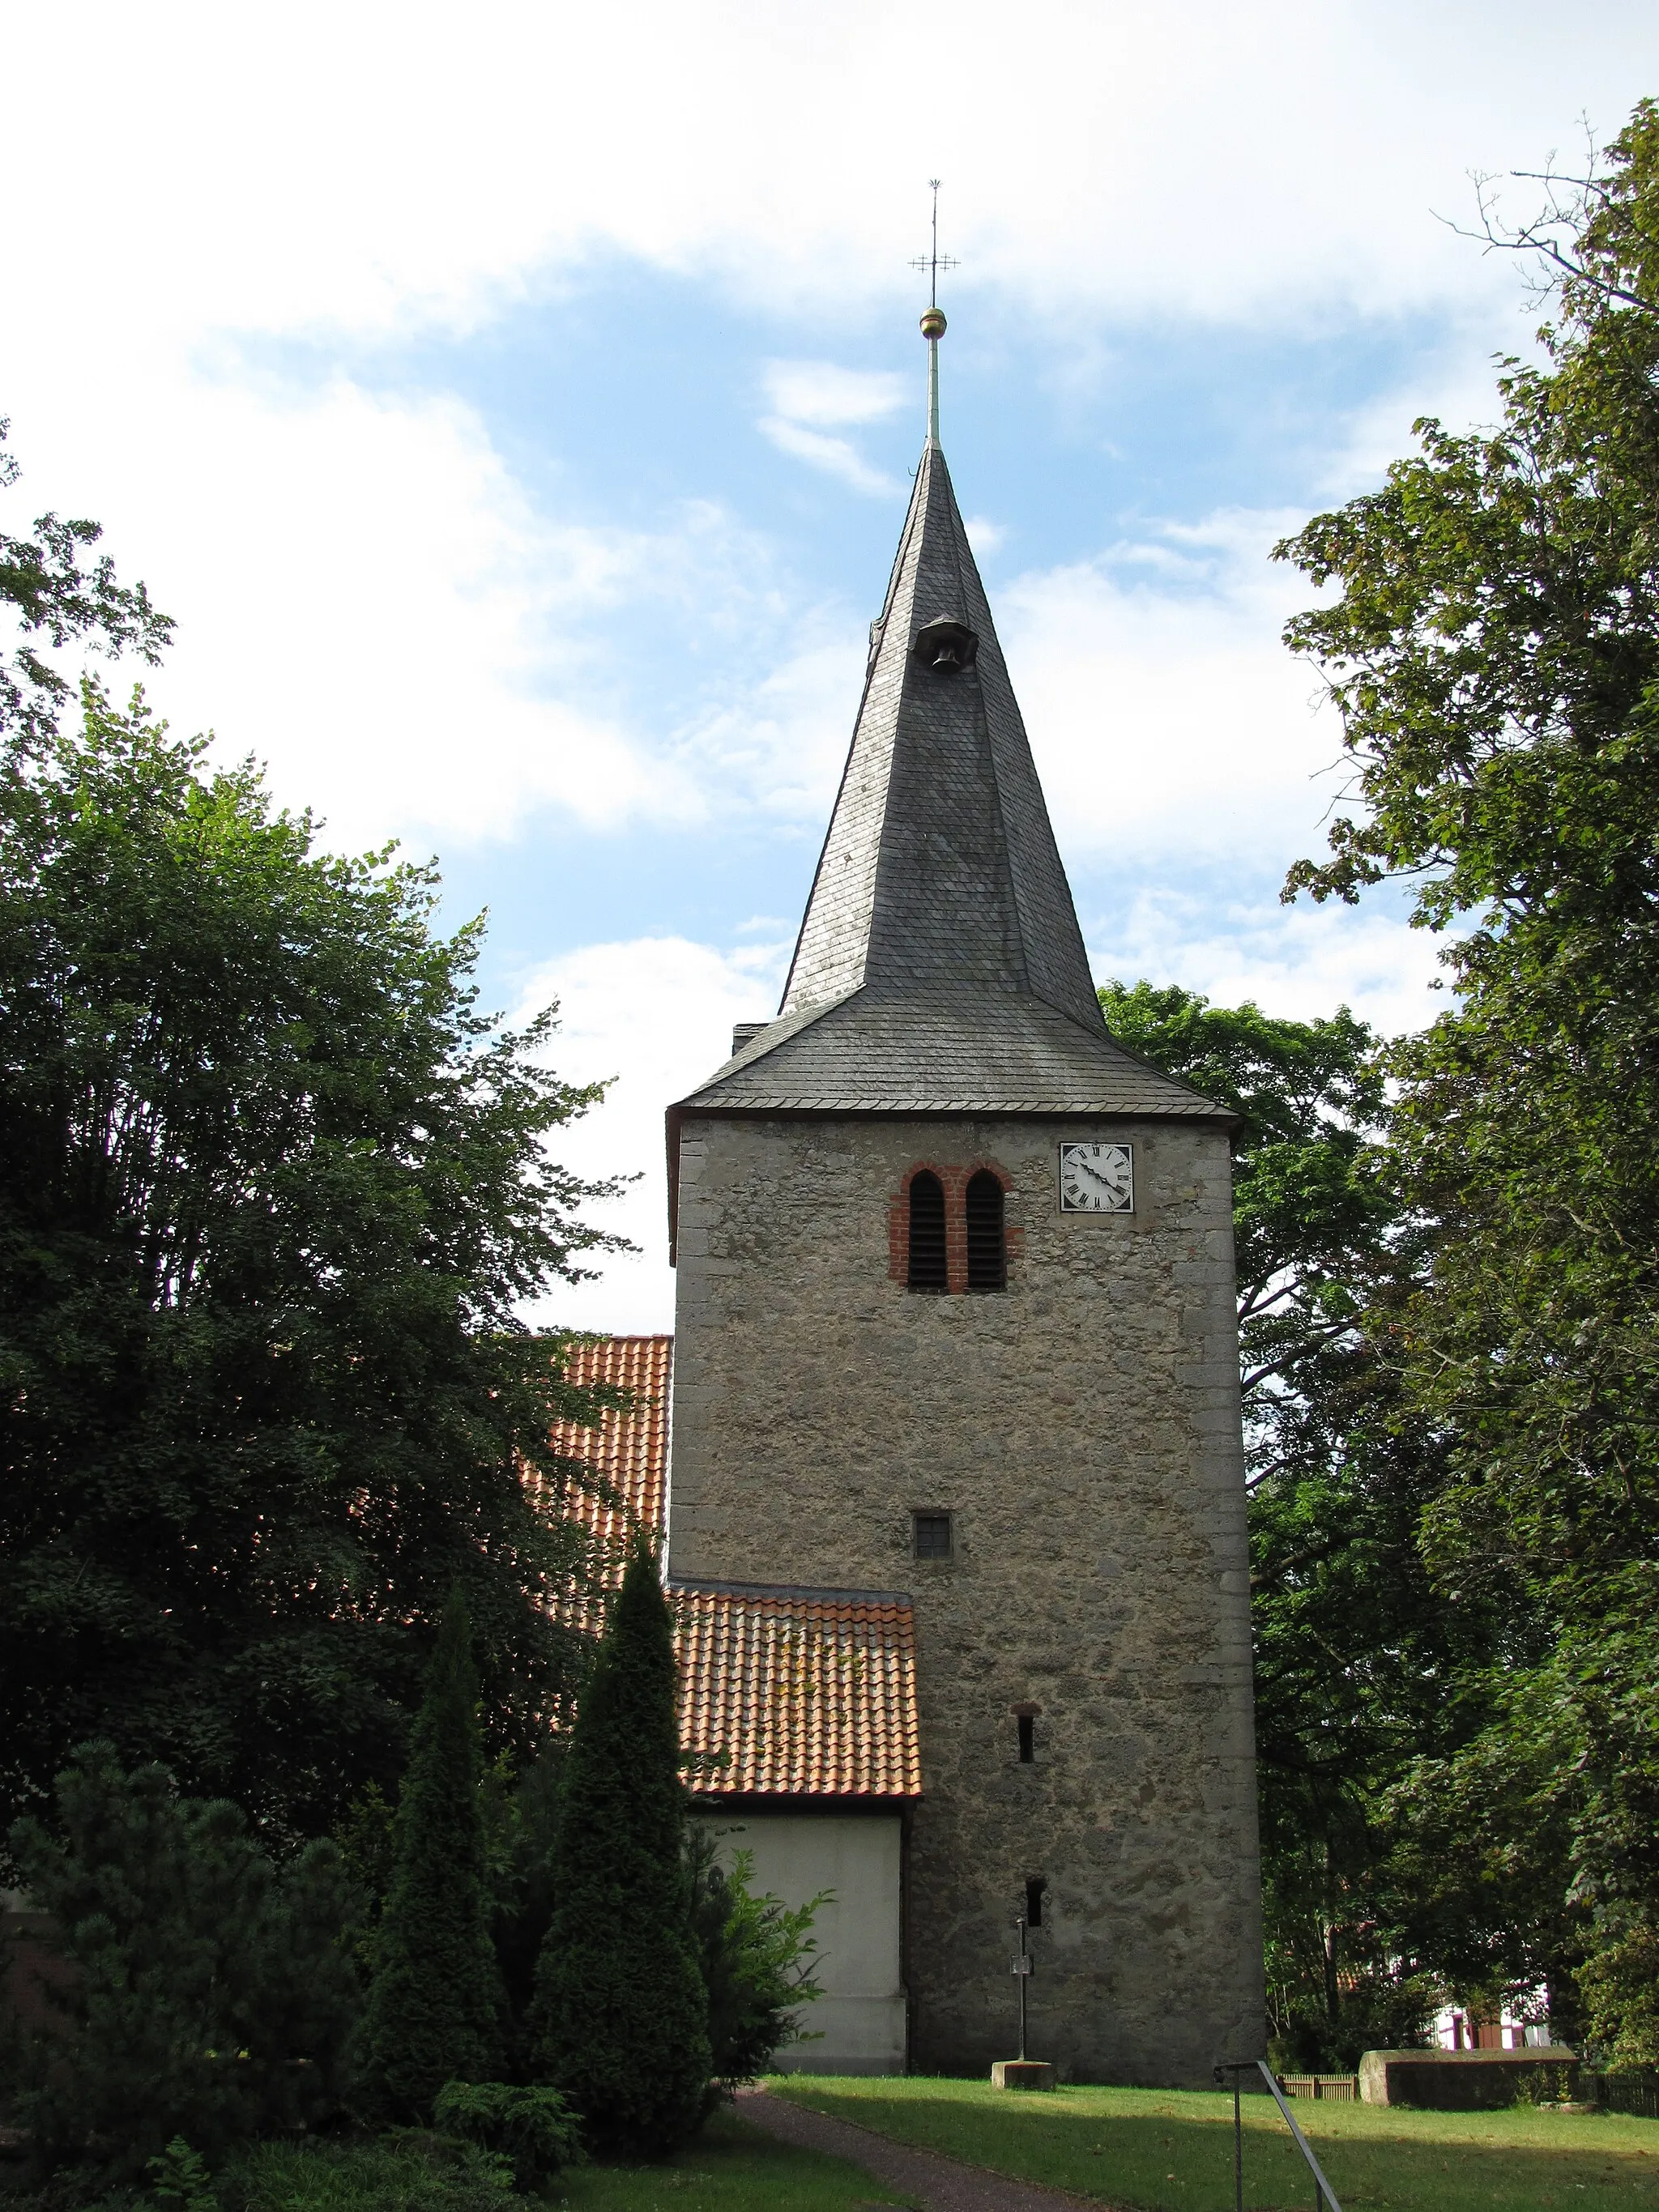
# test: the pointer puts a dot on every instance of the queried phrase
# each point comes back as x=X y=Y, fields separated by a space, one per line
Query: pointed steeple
x=940 y=870
x=939 y=964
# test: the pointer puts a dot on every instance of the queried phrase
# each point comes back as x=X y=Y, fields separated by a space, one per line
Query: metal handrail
x=1323 y=2193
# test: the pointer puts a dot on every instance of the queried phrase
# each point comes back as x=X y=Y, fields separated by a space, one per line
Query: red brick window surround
x=981 y=1245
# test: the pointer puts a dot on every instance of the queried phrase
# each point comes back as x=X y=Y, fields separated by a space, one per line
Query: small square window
x=932 y=1535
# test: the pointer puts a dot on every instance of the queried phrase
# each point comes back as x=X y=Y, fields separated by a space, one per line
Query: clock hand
x=1105 y=1181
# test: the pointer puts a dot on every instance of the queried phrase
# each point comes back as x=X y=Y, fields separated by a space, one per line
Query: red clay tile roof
x=628 y=1450
x=783 y=1692
x=804 y=1692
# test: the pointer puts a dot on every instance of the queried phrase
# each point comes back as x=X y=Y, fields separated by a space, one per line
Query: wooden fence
x=1344 y=2088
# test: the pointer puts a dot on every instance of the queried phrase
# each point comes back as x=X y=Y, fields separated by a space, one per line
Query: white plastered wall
x=858 y=2024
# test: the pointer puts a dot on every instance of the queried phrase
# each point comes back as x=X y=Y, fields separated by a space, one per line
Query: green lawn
x=1172 y=2151
x=731 y=2168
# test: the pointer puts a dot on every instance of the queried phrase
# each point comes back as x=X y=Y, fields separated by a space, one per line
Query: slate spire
x=941 y=869
x=940 y=967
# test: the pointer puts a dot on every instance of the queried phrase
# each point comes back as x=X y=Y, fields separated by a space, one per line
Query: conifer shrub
x=620 y=2001
x=210 y=1999
x=533 y=2128
x=435 y=2005
x=522 y=1817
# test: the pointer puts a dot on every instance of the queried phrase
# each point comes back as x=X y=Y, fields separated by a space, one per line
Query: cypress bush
x=434 y=2006
x=621 y=2006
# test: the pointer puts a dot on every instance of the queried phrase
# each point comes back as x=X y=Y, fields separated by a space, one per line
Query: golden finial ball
x=933 y=323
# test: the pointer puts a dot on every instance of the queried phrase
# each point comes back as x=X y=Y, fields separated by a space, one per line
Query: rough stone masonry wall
x=1082 y=1429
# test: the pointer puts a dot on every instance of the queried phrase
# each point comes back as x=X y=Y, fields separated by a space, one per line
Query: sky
x=515 y=406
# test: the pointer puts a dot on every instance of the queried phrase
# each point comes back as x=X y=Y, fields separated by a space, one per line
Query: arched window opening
x=987 y=1254
x=1034 y=1889
x=927 y=1271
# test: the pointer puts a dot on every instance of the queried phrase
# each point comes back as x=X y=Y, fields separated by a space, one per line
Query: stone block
x=1022 y=2074
x=1466 y=2081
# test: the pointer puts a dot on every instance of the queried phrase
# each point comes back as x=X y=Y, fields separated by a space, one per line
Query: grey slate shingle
x=939 y=965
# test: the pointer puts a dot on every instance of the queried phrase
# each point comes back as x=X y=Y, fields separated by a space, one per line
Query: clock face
x=1097 y=1178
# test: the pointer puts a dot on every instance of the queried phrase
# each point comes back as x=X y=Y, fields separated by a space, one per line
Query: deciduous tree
x=272 y=1192
x=1356 y=1660
x=1492 y=647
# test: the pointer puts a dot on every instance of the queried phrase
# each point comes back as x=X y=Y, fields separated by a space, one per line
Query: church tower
x=955 y=1323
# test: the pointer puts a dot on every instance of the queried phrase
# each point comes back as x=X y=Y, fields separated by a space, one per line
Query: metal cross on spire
x=933 y=262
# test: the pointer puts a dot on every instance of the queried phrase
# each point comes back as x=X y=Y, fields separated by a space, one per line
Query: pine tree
x=210 y=1997
x=434 y=2007
x=621 y=2004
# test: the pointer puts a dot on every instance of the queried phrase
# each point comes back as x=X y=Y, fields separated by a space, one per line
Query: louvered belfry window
x=988 y=1254
x=927 y=1271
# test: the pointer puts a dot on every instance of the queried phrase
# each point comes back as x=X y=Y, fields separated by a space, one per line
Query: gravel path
x=942 y=2185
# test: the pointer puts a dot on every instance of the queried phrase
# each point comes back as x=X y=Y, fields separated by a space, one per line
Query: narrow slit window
x=932 y=1535
x=1027 y=1738
x=1034 y=1890
x=987 y=1254
x=926 y=1269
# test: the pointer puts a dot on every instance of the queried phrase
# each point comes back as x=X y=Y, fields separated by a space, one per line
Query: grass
x=731 y=2168
x=1172 y=2151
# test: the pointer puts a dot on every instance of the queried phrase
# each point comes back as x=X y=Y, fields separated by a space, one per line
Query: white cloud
x=837 y=456
x=368 y=596
x=810 y=398
x=383 y=166
x=818 y=392
x=983 y=535
x=1300 y=964
x=1168 y=721
x=777 y=743
x=657 y=1013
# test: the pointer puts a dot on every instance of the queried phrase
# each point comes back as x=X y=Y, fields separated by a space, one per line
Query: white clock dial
x=1096 y=1179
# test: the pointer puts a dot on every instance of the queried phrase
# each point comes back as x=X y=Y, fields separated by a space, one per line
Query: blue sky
x=516 y=411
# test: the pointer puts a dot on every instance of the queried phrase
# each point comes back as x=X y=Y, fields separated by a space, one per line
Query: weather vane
x=933 y=262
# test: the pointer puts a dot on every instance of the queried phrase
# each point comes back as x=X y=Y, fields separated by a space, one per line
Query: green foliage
x=520 y=1822
x=56 y=601
x=409 y=2169
x=179 y=2180
x=519 y=1815
x=212 y=2000
x=620 y=2001
x=1355 y=1661
x=757 y=1955
x=271 y=1191
x=366 y=1839
x=531 y=2128
x=434 y=2006
x=1493 y=650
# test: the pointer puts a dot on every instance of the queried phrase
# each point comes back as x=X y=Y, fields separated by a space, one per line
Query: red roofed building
x=797 y=1713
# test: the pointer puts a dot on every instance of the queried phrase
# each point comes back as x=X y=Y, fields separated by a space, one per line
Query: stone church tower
x=955 y=1319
